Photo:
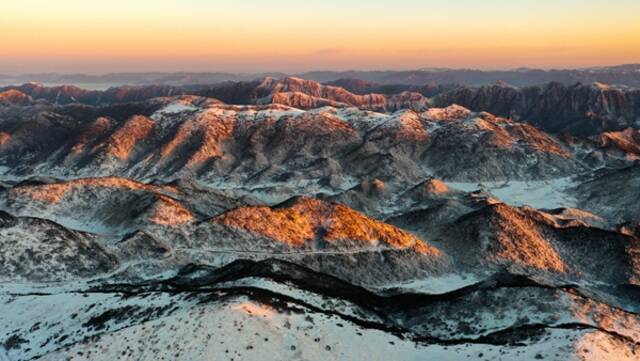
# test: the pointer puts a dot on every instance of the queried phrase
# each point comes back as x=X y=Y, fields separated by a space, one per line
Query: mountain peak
x=15 y=97
x=304 y=220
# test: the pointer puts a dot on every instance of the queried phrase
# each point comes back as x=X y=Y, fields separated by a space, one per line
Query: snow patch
x=548 y=194
x=438 y=285
x=173 y=109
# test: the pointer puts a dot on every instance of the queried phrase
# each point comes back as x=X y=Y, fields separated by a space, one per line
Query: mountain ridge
x=289 y=219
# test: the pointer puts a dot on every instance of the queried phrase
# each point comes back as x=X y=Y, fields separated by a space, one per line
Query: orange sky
x=285 y=35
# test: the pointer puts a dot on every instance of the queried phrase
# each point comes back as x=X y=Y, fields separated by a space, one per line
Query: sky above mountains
x=285 y=35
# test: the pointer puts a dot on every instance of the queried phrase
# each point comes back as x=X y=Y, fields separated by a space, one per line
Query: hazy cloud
x=327 y=51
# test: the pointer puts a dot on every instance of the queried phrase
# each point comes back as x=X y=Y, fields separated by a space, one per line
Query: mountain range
x=628 y=74
x=285 y=218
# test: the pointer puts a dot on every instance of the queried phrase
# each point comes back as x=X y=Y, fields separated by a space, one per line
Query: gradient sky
x=286 y=35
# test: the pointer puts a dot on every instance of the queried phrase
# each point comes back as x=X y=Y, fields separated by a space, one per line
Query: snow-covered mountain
x=309 y=223
x=188 y=136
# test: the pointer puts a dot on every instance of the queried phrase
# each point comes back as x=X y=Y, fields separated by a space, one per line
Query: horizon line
x=346 y=70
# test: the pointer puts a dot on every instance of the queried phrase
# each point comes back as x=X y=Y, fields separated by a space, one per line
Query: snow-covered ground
x=547 y=194
x=438 y=285
x=157 y=326
x=173 y=109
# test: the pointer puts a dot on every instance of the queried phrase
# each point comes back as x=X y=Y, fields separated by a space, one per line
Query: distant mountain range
x=628 y=75
x=577 y=109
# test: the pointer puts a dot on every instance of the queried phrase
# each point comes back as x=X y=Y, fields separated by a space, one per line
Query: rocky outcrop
x=308 y=94
x=577 y=109
x=14 y=97
x=625 y=141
